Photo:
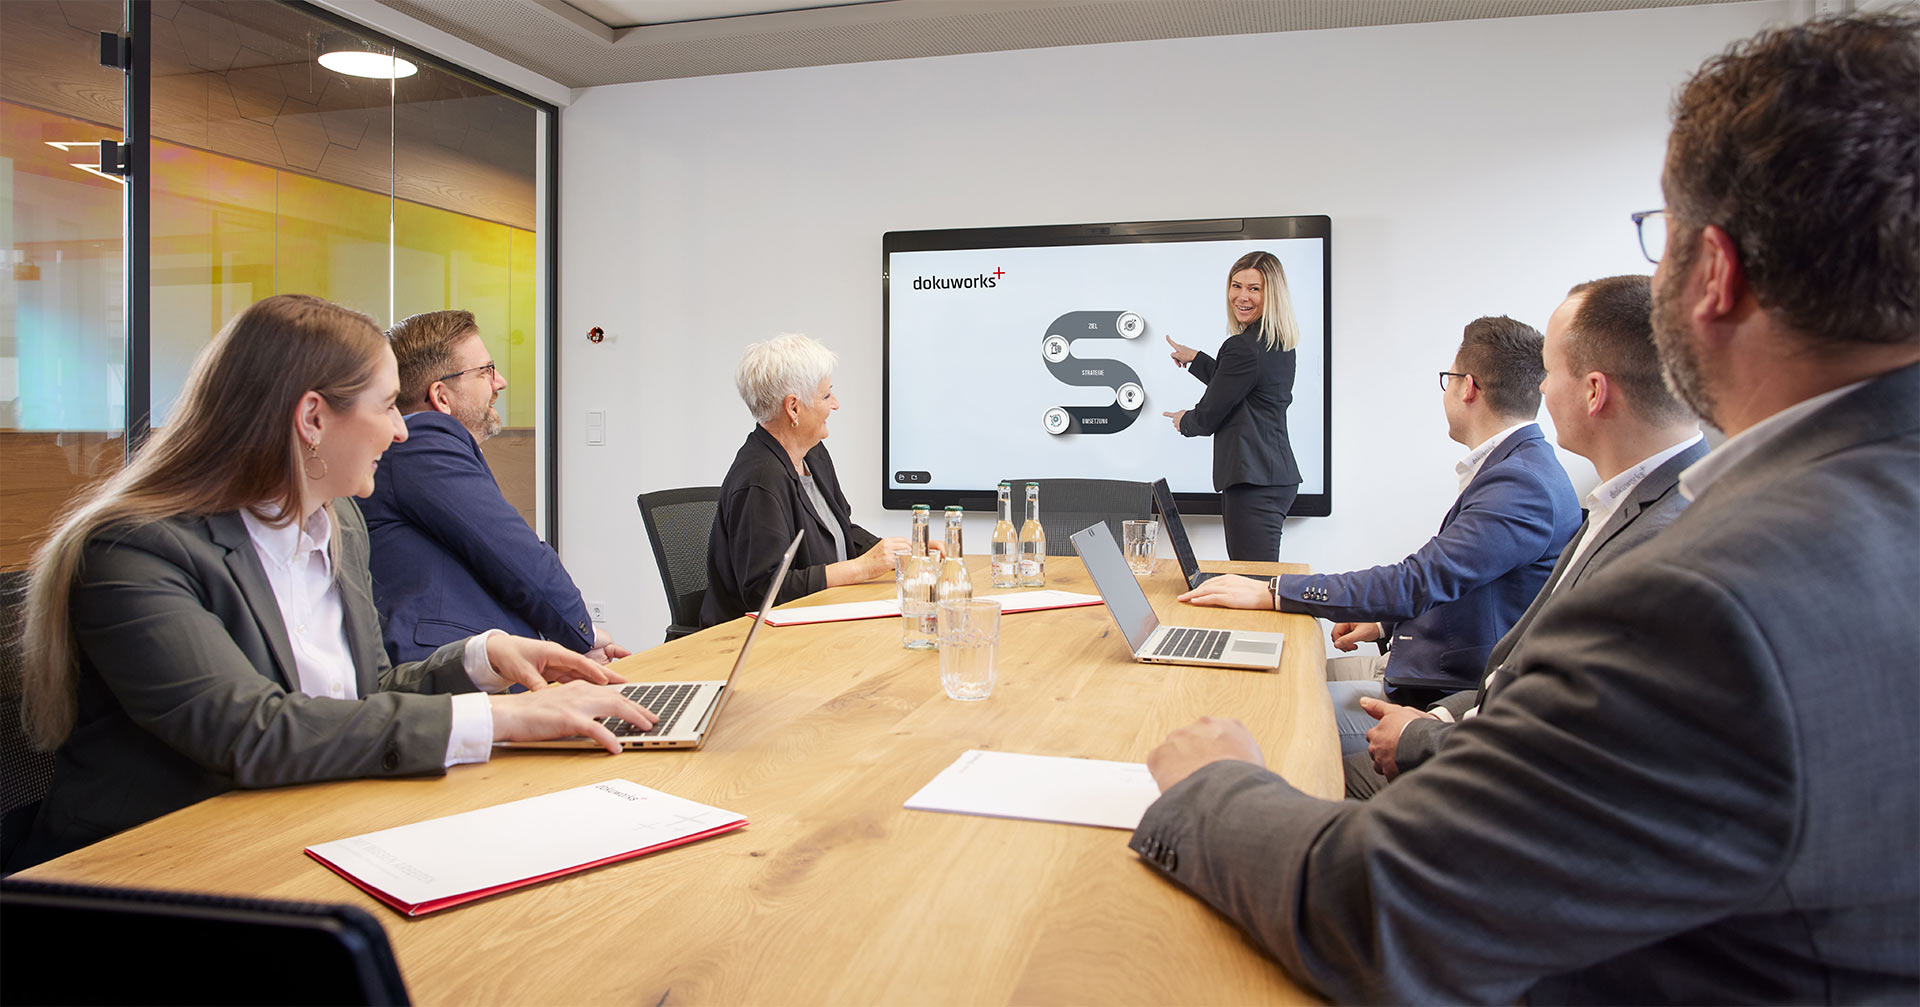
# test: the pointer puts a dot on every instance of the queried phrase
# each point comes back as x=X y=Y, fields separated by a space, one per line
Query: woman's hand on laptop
x=1231 y=591
x=534 y=663
x=572 y=710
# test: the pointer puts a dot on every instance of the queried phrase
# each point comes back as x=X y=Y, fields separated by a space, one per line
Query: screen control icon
x=912 y=477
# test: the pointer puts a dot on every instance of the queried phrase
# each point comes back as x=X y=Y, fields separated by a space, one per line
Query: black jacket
x=761 y=505
x=1245 y=411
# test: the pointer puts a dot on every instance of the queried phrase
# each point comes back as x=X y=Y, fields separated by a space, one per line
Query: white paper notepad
x=1042 y=788
x=444 y=862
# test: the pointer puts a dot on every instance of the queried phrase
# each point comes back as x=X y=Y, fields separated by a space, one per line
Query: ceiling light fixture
x=344 y=52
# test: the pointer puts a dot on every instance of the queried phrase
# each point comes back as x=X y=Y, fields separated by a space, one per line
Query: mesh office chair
x=1068 y=505
x=678 y=524
x=25 y=774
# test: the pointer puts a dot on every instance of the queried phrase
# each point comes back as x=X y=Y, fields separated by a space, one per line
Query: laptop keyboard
x=1201 y=643
x=667 y=700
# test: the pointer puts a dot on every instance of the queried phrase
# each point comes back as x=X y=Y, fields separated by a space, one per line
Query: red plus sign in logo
x=998 y=272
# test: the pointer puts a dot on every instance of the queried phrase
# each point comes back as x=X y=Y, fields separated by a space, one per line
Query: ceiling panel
x=564 y=43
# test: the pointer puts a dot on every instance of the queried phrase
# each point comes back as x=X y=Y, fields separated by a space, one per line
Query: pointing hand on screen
x=1182 y=355
x=1176 y=418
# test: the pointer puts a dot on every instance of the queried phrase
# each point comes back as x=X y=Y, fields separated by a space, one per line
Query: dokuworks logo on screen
x=984 y=281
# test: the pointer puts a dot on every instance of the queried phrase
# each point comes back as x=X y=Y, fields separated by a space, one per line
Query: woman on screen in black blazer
x=1244 y=408
x=781 y=482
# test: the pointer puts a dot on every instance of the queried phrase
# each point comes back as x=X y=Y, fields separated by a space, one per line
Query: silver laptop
x=687 y=710
x=1151 y=641
x=1177 y=534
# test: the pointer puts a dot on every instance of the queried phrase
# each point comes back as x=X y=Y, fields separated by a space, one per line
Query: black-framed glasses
x=489 y=367
x=1444 y=375
x=1651 y=226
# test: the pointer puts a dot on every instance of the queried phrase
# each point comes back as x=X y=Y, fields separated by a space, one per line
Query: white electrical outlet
x=597 y=611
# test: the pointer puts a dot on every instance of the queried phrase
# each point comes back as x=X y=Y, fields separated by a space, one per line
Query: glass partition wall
x=278 y=164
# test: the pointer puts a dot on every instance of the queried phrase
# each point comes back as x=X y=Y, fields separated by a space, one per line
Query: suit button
x=1172 y=861
x=583 y=627
x=390 y=761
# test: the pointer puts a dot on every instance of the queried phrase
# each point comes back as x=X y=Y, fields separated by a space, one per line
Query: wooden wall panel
x=44 y=471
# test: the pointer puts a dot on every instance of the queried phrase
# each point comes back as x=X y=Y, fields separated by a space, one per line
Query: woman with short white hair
x=782 y=482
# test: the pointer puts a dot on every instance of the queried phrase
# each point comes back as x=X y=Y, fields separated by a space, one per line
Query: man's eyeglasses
x=1444 y=375
x=1652 y=228
x=489 y=367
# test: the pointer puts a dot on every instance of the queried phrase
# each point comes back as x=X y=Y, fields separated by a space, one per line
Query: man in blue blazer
x=450 y=556
x=1609 y=405
x=1445 y=606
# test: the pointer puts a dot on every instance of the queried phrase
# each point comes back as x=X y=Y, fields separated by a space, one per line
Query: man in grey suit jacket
x=1610 y=406
x=1667 y=803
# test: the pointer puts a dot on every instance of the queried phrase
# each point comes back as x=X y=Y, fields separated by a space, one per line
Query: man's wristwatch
x=1273 y=588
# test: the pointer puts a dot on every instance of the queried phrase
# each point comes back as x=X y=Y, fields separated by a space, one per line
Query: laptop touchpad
x=1253 y=646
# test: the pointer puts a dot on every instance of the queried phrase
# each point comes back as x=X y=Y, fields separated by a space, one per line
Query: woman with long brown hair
x=204 y=619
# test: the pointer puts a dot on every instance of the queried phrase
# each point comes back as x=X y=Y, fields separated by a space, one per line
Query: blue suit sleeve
x=449 y=495
x=1227 y=385
x=1506 y=521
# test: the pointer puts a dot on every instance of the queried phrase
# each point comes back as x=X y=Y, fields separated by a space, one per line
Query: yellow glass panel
x=521 y=325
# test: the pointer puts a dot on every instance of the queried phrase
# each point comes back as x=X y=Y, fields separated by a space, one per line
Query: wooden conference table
x=834 y=893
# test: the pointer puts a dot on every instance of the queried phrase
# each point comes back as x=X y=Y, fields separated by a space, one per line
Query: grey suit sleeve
x=139 y=618
x=1636 y=780
x=1419 y=741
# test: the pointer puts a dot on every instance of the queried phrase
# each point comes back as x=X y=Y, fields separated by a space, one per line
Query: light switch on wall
x=596 y=427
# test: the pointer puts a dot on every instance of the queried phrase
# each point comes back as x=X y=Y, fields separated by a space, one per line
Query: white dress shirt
x=299 y=568
x=1468 y=467
x=1606 y=498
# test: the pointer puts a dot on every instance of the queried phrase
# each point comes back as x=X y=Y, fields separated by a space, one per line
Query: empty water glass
x=913 y=578
x=1137 y=540
x=969 y=643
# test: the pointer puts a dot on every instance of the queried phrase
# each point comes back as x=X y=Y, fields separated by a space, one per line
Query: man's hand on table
x=1209 y=739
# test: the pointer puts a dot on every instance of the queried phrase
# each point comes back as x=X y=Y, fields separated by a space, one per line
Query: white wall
x=1469 y=167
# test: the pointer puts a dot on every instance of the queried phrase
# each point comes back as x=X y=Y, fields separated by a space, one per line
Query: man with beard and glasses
x=1703 y=782
x=450 y=557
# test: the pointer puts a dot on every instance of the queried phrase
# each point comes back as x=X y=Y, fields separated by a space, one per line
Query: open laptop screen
x=1176 y=529
x=1108 y=568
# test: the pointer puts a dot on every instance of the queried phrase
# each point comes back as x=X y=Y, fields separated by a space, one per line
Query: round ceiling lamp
x=344 y=52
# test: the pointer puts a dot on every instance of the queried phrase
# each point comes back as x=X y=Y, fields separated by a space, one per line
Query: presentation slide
x=1052 y=362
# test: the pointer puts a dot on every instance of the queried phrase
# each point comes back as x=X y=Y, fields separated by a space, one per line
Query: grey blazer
x=1653 y=505
x=187 y=685
x=1700 y=786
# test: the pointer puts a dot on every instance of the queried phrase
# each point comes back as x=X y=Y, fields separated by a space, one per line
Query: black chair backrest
x=679 y=521
x=84 y=944
x=1068 y=505
x=25 y=774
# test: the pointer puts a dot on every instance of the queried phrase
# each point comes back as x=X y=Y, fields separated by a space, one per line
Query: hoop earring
x=313 y=455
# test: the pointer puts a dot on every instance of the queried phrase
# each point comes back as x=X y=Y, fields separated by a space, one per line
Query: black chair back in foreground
x=80 y=944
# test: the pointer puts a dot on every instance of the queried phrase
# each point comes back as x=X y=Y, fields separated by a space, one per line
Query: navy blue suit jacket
x=1446 y=605
x=452 y=558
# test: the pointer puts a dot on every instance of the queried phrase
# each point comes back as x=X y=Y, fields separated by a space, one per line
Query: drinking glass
x=969 y=642
x=913 y=578
x=1137 y=540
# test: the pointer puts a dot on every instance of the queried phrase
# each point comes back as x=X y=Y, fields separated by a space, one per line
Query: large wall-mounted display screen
x=1041 y=352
